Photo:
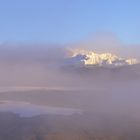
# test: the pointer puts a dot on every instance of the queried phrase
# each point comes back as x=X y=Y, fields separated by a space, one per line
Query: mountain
x=91 y=58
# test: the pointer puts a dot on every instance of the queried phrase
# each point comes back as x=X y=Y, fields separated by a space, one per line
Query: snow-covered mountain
x=89 y=58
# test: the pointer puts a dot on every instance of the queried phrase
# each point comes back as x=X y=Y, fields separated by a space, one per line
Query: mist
x=44 y=64
x=39 y=85
x=102 y=42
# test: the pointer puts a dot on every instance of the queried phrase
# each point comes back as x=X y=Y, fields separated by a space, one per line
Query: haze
x=69 y=70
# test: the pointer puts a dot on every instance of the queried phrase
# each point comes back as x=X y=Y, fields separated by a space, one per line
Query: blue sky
x=65 y=21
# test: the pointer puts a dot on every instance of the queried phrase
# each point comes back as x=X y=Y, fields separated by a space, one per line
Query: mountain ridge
x=91 y=58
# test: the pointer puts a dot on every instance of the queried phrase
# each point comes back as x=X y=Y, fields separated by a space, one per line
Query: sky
x=67 y=21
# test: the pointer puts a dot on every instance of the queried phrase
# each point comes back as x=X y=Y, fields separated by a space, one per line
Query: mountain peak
x=87 y=57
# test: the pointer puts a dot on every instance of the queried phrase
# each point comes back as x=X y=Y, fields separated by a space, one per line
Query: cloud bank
x=43 y=65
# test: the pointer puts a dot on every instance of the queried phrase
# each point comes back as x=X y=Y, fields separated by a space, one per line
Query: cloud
x=29 y=64
x=42 y=65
